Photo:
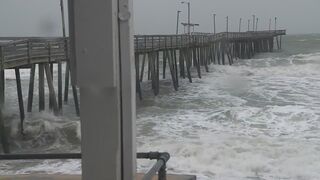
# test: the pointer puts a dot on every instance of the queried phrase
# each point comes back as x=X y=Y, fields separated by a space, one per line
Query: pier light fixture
x=189 y=15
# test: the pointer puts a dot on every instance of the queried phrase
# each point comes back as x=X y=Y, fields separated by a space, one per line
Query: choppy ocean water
x=257 y=119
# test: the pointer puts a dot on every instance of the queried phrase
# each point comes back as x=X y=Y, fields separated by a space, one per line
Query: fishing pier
x=181 y=53
x=157 y=57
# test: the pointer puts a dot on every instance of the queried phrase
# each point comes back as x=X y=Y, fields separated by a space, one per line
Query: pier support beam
x=52 y=94
x=20 y=98
x=31 y=87
x=3 y=131
x=106 y=72
x=41 y=88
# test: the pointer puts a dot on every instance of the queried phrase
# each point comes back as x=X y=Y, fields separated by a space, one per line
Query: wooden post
x=142 y=67
x=2 y=87
x=41 y=88
x=174 y=53
x=66 y=83
x=213 y=51
x=164 y=66
x=3 y=134
x=223 y=53
x=189 y=64
x=52 y=93
x=3 y=131
x=219 y=52
x=60 y=98
x=138 y=86
x=196 y=61
x=171 y=67
x=157 y=73
x=20 y=98
x=278 y=45
x=2 y=79
x=76 y=99
x=51 y=71
x=31 y=87
x=181 y=64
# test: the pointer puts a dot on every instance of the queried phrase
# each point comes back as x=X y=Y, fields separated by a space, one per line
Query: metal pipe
x=153 y=171
x=39 y=156
x=159 y=167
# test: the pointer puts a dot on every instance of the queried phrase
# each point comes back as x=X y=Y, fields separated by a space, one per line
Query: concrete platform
x=77 y=177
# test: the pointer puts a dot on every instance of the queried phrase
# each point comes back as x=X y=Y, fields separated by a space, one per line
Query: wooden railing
x=30 y=51
x=22 y=51
x=145 y=43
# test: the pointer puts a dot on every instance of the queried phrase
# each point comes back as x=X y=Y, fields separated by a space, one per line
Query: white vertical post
x=104 y=53
x=128 y=87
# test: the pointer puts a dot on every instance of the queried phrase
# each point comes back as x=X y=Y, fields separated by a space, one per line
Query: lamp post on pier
x=270 y=24
x=257 y=24
x=275 y=23
x=189 y=15
x=227 y=18
x=178 y=18
x=248 y=24
x=253 y=22
x=214 y=23
x=240 y=24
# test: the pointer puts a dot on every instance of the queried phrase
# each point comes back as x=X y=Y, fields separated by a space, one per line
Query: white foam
x=258 y=119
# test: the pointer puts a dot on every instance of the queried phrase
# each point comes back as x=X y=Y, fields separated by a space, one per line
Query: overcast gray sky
x=42 y=17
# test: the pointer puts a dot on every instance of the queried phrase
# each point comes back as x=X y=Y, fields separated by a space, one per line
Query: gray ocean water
x=257 y=119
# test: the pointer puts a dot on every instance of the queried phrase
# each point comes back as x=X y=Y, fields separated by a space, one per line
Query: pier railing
x=147 y=43
x=22 y=51
x=31 y=51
